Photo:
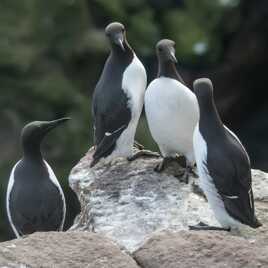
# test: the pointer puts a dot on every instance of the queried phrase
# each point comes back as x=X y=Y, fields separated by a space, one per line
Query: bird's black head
x=165 y=50
x=203 y=90
x=116 y=33
x=33 y=133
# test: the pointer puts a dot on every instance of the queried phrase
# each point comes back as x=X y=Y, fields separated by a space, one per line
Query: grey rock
x=187 y=249
x=129 y=202
x=58 y=249
x=260 y=185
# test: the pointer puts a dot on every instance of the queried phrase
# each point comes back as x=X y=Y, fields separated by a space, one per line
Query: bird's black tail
x=256 y=223
x=107 y=145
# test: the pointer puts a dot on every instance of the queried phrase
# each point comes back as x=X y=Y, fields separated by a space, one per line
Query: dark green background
x=52 y=53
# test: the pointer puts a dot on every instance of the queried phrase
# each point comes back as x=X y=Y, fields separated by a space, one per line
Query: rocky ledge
x=167 y=249
x=132 y=216
x=129 y=202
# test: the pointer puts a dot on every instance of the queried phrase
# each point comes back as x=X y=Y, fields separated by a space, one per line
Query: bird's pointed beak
x=52 y=124
x=119 y=40
x=172 y=56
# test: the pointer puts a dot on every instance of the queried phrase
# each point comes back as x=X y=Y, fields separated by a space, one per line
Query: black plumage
x=110 y=109
x=35 y=200
x=227 y=161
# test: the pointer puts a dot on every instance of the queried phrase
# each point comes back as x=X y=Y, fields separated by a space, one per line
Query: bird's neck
x=32 y=151
x=168 y=69
x=124 y=55
x=210 y=119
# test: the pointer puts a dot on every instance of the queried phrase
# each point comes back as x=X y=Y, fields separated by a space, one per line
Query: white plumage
x=172 y=114
x=54 y=179
x=133 y=84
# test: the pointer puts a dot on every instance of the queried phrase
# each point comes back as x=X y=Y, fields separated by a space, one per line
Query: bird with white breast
x=223 y=166
x=118 y=100
x=35 y=200
x=171 y=110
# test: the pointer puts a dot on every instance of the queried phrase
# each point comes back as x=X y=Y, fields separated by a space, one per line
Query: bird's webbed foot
x=138 y=145
x=201 y=226
x=143 y=153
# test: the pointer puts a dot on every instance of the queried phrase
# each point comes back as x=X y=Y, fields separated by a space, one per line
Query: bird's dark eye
x=160 y=49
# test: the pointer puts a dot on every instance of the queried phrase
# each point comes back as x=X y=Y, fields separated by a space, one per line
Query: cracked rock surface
x=133 y=217
x=129 y=202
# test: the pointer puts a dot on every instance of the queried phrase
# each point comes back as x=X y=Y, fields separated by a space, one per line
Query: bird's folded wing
x=234 y=186
x=107 y=144
x=241 y=207
x=110 y=120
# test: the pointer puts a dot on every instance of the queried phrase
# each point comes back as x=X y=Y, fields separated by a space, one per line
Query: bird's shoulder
x=229 y=165
x=171 y=91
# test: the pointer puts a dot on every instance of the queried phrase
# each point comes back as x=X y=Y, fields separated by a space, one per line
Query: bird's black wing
x=229 y=166
x=111 y=116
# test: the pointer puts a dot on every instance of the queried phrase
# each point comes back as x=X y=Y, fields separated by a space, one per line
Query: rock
x=187 y=249
x=260 y=184
x=129 y=202
x=58 y=249
x=127 y=206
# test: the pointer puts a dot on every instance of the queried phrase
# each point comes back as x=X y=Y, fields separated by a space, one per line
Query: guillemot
x=171 y=109
x=223 y=166
x=118 y=99
x=35 y=200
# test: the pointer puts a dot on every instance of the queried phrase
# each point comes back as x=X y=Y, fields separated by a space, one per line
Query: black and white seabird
x=171 y=109
x=35 y=200
x=223 y=166
x=118 y=99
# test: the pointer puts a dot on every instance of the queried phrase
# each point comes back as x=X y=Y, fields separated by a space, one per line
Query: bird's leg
x=204 y=227
x=189 y=170
x=138 y=145
x=163 y=164
x=186 y=174
x=145 y=153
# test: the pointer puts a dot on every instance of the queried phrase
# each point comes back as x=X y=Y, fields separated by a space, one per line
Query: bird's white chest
x=133 y=84
x=172 y=113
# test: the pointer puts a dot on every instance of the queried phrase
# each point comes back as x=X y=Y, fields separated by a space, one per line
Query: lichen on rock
x=129 y=202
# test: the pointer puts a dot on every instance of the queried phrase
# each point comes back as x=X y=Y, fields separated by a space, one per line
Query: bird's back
x=109 y=100
x=108 y=86
x=228 y=165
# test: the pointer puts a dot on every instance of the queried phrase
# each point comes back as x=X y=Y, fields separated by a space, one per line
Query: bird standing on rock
x=35 y=200
x=223 y=166
x=171 y=109
x=118 y=99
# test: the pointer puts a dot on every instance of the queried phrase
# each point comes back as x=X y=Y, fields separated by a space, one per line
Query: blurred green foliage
x=52 y=52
